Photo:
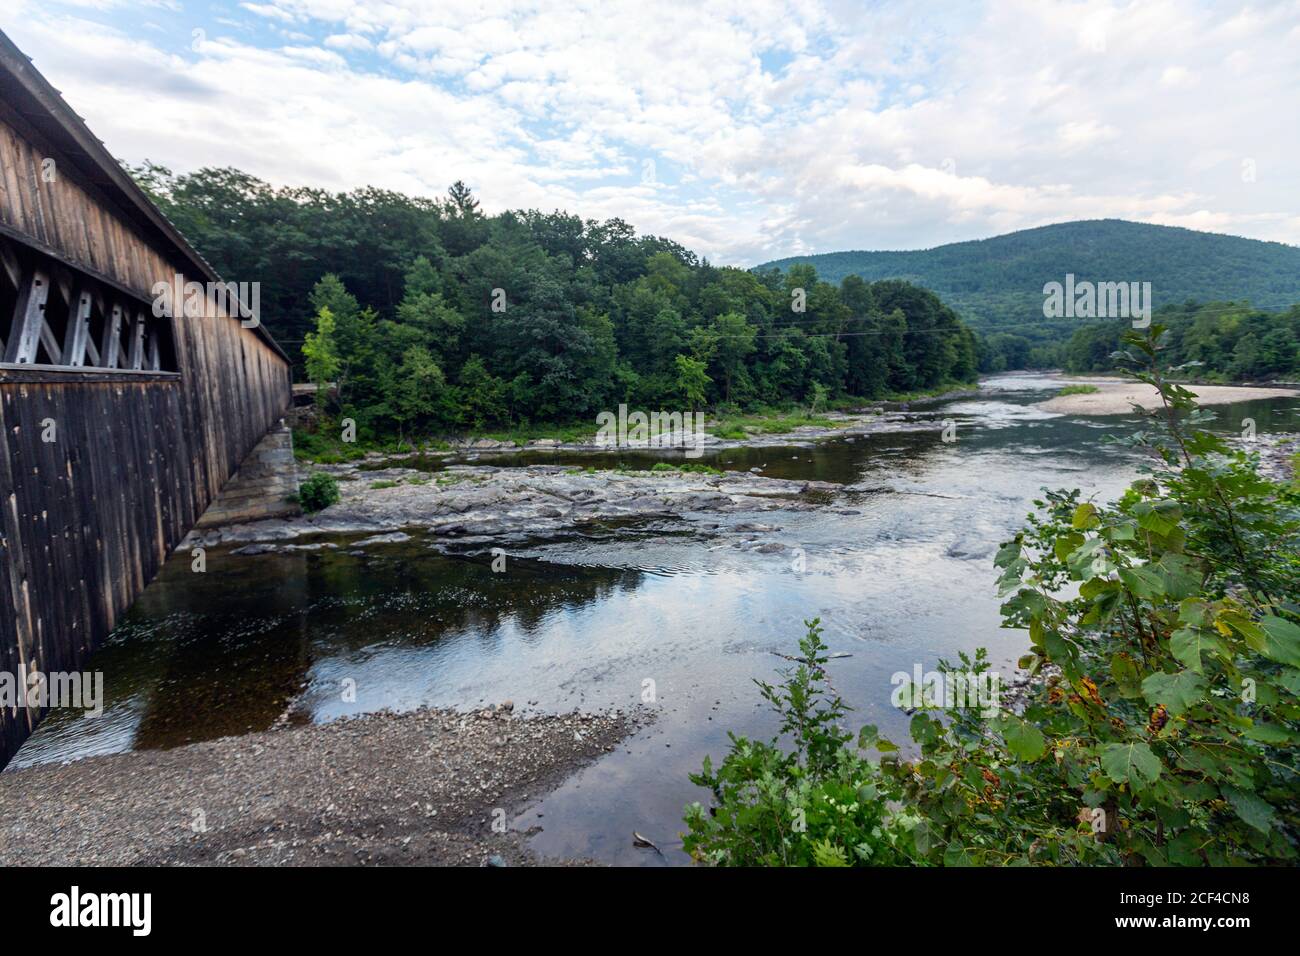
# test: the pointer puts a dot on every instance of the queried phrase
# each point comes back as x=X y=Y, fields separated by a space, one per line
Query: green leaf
x=870 y=737
x=1008 y=553
x=957 y=855
x=1250 y=808
x=1155 y=523
x=1085 y=516
x=1089 y=589
x=1192 y=612
x=826 y=853
x=1181 y=576
x=1065 y=544
x=1131 y=763
x=1024 y=740
x=1124 y=670
x=1189 y=643
x=1271 y=734
x=1250 y=632
x=1143 y=581
x=1282 y=643
x=1177 y=692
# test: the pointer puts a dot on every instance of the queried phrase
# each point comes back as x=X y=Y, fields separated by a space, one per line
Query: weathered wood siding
x=87 y=519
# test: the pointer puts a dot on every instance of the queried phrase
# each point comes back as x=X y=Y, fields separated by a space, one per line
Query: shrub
x=818 y=805
x=318 y=492
x=1163 y=722
x=1079 y=390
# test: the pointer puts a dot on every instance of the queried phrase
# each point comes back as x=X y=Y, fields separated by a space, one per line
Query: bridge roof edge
x=56 y=120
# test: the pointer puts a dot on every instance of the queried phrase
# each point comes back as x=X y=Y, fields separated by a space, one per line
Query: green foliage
x=768 y=422
x=1079 y=390
x=1168 y=709
x=818 y=805
x=1162 y=726
x=685 y=468
x=322 y=446
x=320 y=352
x=995 y=284
x=1214 y=341
x=391 y=299
x=692 y=380
x=318 y=492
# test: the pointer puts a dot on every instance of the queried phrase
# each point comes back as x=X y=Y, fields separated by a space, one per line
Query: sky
x=745 y=129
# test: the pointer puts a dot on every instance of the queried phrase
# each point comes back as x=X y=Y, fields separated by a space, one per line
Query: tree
x=435 y=325
x=542 y=316
x=417 y=390
x=464 y=227
x=321 y=352
x=692 y=380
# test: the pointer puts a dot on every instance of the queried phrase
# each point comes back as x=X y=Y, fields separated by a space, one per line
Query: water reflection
x=257 y=639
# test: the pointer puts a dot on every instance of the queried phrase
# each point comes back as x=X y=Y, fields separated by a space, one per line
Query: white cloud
x=348 y=41
x=269 y=10
x=774 y=126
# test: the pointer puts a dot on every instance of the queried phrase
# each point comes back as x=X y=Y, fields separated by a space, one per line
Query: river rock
x=393 y=537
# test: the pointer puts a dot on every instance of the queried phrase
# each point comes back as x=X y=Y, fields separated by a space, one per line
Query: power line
x=794 y=324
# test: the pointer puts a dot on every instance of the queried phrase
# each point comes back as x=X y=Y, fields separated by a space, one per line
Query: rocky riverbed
x=467 y=505
x=1276 y=454
x=425 y=787
x=483 y=498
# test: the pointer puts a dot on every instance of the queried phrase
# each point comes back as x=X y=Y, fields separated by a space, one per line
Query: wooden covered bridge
x=120 y=418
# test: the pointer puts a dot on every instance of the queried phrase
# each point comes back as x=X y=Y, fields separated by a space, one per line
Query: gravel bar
x=423 y=788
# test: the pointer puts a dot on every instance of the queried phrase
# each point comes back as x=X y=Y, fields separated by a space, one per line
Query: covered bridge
x=120 y=419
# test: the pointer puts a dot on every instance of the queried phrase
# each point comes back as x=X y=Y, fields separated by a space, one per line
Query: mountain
x=997 y=284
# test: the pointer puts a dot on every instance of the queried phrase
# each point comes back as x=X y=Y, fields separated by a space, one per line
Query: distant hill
x=998 y=282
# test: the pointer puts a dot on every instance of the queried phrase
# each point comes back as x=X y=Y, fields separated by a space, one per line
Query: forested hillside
x=1227 y=341
x=996 y=284
x=432 y=316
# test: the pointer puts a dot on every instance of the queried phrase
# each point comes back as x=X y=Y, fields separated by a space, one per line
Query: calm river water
x=899 y=569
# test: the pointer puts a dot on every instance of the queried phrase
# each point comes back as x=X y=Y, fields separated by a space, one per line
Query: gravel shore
x=384 y=789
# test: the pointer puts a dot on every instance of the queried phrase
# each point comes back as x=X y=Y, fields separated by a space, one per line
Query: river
x=898 y=567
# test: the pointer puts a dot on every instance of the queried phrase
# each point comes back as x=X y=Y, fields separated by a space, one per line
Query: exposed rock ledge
x=481 y=501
